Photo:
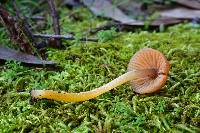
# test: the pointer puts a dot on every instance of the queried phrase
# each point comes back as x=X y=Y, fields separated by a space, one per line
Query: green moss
x=86 y=65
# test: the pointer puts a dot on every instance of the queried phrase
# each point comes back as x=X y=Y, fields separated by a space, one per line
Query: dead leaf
x=10 y=54
x=156 y=23
x=181 y=13
x=165 y=21
x=132 y=8
x=106 y=9
x=195 y=4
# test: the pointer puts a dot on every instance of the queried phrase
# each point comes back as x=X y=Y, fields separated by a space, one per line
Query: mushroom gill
x=149 y=59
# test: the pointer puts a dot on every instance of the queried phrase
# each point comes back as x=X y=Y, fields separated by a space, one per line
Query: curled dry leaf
x=105 y=9
x=132 y=8
x=10 y=54
x=181 y=13
x=195 y=4
x=165 y=21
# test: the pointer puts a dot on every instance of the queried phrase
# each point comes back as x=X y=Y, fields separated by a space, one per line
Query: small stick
x=25 y=27
x=34 y=18
x=48 y=36
x=38 y=18
x=56 y=26
x=16 y=9
x=24 y=24
x=13 y=28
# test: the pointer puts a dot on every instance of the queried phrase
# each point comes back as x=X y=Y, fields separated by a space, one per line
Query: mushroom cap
x=155 y=67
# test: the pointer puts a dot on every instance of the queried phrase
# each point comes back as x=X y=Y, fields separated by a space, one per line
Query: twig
x=54 y=14
x=48 y=36
x=25 y=27
x=24 y=24
x=16 y=34
x=39 y=18
x=16 y=9
x=34 y=18
x=56 y=26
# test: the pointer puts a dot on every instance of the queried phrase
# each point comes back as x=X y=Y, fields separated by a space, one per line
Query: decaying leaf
x=10 y=54
x=106 y=9
x=132 y=8
x=165 y=21
x=181 y=13
x=195 y=4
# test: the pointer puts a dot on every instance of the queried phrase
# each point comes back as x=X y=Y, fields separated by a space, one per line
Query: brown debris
x=56 y=26
x=15 y=33
x=194 y=4
x=11 y=54
x=181 y=13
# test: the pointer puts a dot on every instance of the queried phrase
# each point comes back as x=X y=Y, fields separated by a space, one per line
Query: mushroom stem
x=83 y=96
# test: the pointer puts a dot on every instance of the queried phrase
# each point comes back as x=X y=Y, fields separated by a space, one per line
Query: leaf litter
x=168 y=14
x=11 y=54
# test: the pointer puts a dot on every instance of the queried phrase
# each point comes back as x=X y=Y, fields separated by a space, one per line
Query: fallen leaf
x=165 y=21
x=132 y=8
x=10 y=54
x=106 y=9
x=155 y=23
x=195 y=4
x=181 y=13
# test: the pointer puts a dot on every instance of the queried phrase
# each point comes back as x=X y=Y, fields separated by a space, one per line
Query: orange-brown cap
x=156 y=66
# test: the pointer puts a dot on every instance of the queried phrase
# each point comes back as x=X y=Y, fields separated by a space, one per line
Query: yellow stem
x=83 y=96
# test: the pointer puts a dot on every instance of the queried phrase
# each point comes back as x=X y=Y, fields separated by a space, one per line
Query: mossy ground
x=86 y=65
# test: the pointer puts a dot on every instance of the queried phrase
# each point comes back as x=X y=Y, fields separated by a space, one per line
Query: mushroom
x=147 y=73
